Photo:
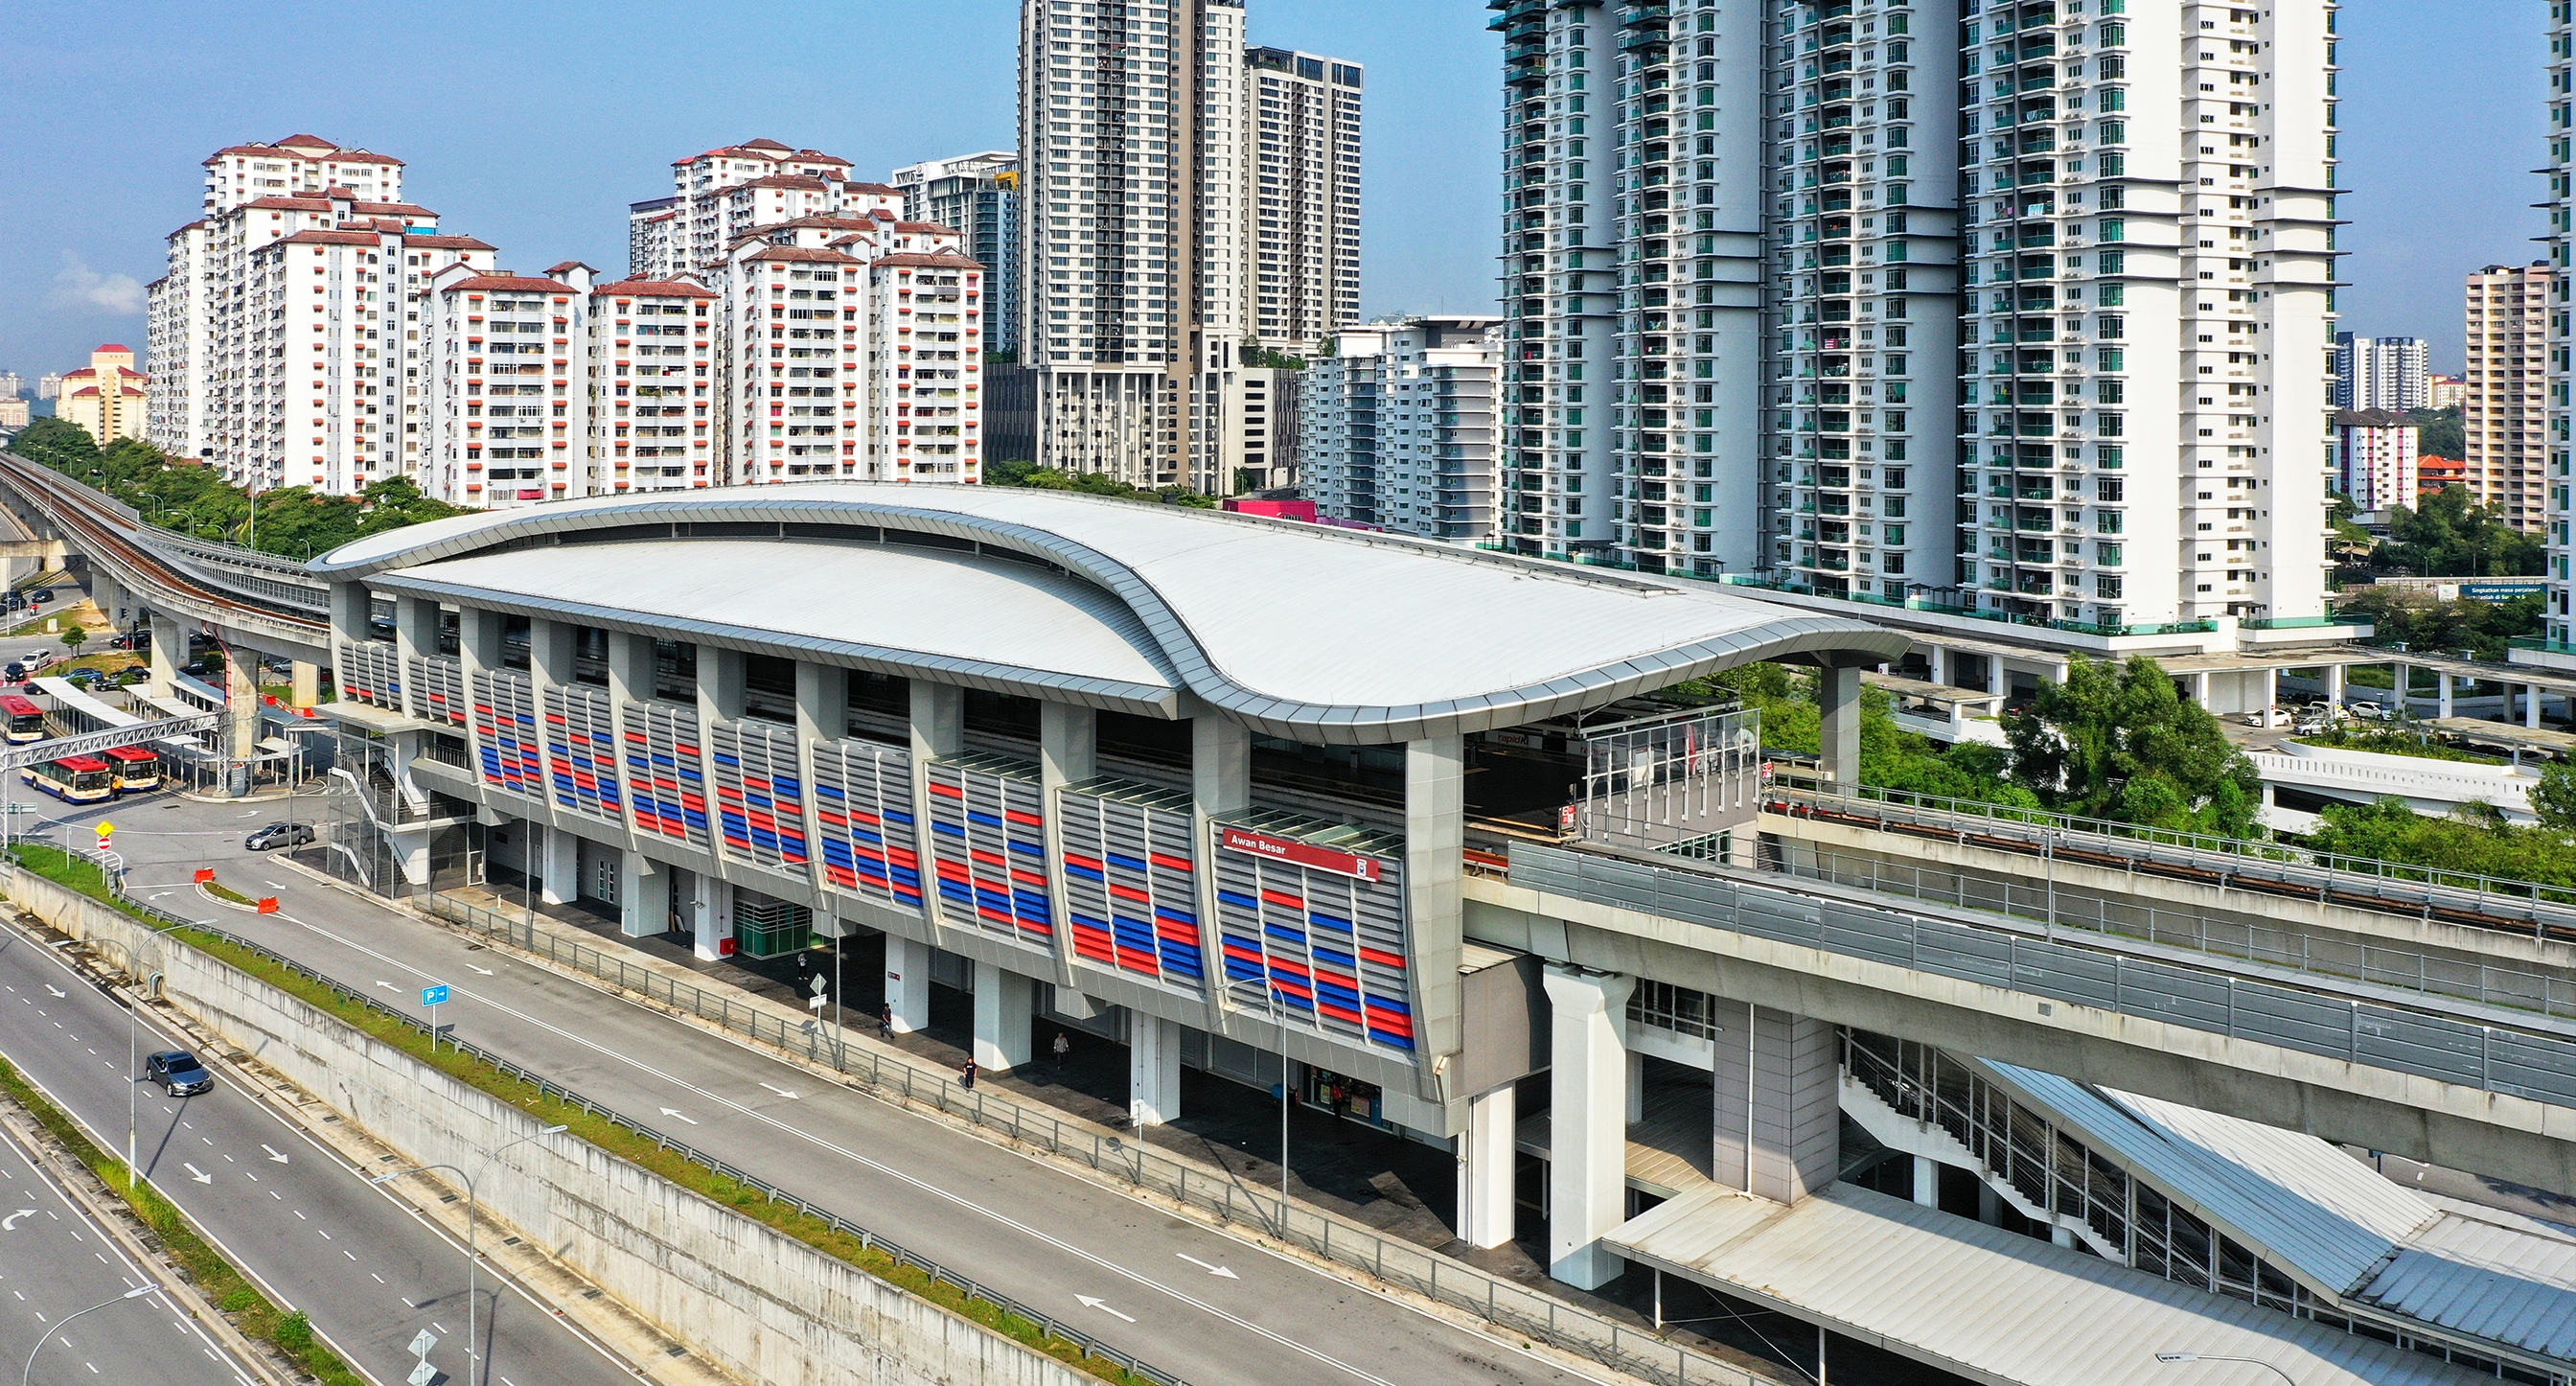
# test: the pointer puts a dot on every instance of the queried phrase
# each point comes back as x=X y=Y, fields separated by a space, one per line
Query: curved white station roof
x=1300 y=631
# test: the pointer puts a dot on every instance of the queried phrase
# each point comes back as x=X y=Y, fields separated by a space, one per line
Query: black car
x=16 y=673
x=178 y=1073
x=41 y=595
x=278 y=835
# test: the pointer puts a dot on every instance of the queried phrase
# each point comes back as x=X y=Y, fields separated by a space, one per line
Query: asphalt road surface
x=1191 y=1300
x=306 y=1225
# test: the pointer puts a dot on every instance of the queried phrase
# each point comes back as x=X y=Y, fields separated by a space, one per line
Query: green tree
x=2420 y=621
x=1039 y=478
x=2119 y=742
x=2440 y=432
x=2449 y=535
x=1890 y=756
x=2476 y=840
x=1261 y=358
x=2553 y=800
x=75 y=637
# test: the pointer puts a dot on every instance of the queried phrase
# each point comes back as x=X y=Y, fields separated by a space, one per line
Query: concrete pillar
x=1488 y=1151
x=1220 y=765
x=710 y=915
x=106 y=596
x=559 y=867
x=478 y=640
x=1838 y=703
x=241 y=705
x=1778 y=1105
x=2442 y=704
x=169 y=651
x=308 y=684
x=2531 y=705
x=1004 y=1004
x=415 y=637
x=1587 y=1138
x=643 y=896
x=351 y=618
x=1927 y=1181
x=1069 y=753
x=553 y=649
x=2334 y=690
x=2200 y=690
x=2403 y=677
x=1939 y=665
x=1636 y=1087
x=822 y=716
x=1435 y=818
x=1998 y=678
x=720 y=686
x=1153 y=1069
x=2271 y=693
x=938 y=726
x=907 y=982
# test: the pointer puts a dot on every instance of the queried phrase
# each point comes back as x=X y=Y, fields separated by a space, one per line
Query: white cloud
x=79 y=286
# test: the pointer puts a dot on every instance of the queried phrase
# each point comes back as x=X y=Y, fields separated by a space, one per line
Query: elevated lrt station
x=1451 y=836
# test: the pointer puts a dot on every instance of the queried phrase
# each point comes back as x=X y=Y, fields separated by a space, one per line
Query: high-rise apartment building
x=2504 y=412
x=1302 y=163
x=2381 y=373
x=2444 y=391
x=1141 y=141
x=722 y=195
x=1396 y=426
x=282 y=341
x=106 y=396
x=2376 y=457
x=2560 y=204
x=2026 y=309
x=12 y=384
x=49 y=385
x=977 y=195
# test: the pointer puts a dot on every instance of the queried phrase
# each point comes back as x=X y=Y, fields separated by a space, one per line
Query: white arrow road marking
x=889 y=1171
x=50 y=990
x=10 y=1223
x=388 y=986
x=484 y=970
x=272 y=1152
x=1202 y=1265
x=670 y=1112
x=197 y=1174
x=788 y=1093
x=1103 y=1306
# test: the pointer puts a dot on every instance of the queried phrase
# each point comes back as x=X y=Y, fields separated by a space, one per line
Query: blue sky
x=532 y=125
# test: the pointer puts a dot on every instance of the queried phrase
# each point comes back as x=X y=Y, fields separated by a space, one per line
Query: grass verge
x=219 y=1280
x=85 y=877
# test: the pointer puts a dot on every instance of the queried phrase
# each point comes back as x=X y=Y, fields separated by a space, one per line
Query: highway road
x=304 y=1223
x=55 y=1261
x=1189 y=1299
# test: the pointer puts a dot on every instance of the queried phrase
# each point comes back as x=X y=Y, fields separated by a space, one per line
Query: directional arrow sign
x=788 y=1093
x=10 y=1223
x=388 y=986
x=1103 y=1306
x=49 y=990
x=1202 y=1265
x=422 y=1342
x=197 y=1174
x=668 y=1112
x=484 y=970
x=272 y=1153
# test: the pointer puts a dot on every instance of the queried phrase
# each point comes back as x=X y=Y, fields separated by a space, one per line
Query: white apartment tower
x=1302 y=159
x=979 y=196
x=2381 y=372
x=2505 y=410
x=1396 y=426
x=1971 y=219
x=722 y=195
x=1141 y=150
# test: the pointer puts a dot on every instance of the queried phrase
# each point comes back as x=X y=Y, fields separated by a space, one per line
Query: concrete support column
x=2531 y=705
x=1587 y=1130
x=1435 y=818
x=1838 y=703
x=1153 y=1069
x=1636 y=1087
x=907 y=982
x=710 y=915
x=559 y=867
x=351 y=618
x=1069 y=753
x=1004 y=1002
x=478 y=640
x=938 y=732
x=2200 y=690
x=1998 y=678
x=1488 y=1150
x=2442 y=703
x=1937 y=665
x=106 y=596
x=1927 y=1181
x=1778 y=1104
x=822 y=716
x=2334 y=690
x=2271 y=693
x=415 y=637
x=643 y=896
x=241 y=708
x=169 y=651
x=308 y=685
x=720 y=686
x=631 y=677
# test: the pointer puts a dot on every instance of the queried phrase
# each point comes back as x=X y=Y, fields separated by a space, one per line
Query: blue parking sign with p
x=431 y=996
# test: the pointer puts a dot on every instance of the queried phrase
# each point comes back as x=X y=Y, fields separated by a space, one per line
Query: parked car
x=278 y=835
x=40 y=596
x=16 y=673
x=178 y=1073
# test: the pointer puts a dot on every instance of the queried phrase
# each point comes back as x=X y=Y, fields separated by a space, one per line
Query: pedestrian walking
x=1061 y=1045
x=968 y=1075
x=805 y=969
x=885 y=1020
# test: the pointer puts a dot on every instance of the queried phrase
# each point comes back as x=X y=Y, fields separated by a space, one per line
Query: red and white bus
x=73 y=779
x=26 y=720
x=138 y=771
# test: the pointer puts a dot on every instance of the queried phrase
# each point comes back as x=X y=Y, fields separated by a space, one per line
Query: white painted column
x=1587 y=1136
x=1636 y=1087
x=1487 y=1152
x=2442 y=681
x=2200 y=690
x=241 y=711
x=1153 y=1068
x=307 y=679
x=710 y=914
x=643 y=896
x=2403 y=676
x=907 y=982
x=1004 y=1001
x=2271 y=693
x=559 y=870
x=1838 y=704
x=169 y=651
x=2334 y=690
x=1937 y=660
x=1927 y=1181
x=2531 y=705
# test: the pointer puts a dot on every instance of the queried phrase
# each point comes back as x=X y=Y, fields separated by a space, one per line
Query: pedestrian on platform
x=1061 y=1045
x=885 y=1020
x=967 y=1075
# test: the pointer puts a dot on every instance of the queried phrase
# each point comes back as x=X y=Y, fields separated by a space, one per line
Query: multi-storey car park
x=1069 y=761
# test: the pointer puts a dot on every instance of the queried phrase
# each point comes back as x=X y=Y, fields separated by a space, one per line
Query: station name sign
x=1302 y=854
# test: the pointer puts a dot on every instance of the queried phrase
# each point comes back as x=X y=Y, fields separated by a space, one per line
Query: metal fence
x=2263 y=869
x=2055 y=905
x=1048 y=1324
x=1653 y=781
x=2095 y=970
x=1522 y=1309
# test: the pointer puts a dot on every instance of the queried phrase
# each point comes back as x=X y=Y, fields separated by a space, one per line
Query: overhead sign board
x=1301 y=853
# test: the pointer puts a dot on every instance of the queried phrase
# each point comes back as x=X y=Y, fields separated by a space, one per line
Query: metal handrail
x=545 y=1086
x=1506 y=1303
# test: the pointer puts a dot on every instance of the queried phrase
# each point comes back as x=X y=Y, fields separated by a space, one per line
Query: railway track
x=103 y=535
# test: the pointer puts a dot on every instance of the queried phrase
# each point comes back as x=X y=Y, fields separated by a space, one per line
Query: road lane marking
x=197 y=1174
x=682 y=1116
x=10 y=1223
x=1210 y=1269
x=788 y=1093
x=272 y=1153
x=1103 y=1306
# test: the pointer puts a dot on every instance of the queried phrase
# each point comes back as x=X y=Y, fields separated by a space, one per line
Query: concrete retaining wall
x=749 y=1299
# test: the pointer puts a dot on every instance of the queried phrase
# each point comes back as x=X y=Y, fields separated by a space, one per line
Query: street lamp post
x=2170 y=1357
x=133 y=1029
x=473 y=1352
x=29 y=1372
